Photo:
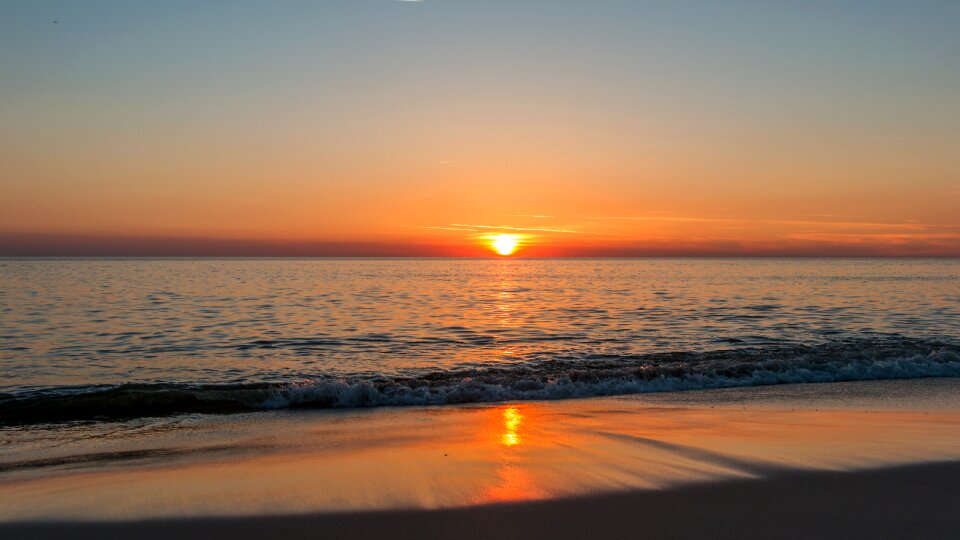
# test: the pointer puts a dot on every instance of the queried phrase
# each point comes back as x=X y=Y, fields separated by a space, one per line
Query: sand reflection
x=513 y=479
x=511 y=427
x=457 y=456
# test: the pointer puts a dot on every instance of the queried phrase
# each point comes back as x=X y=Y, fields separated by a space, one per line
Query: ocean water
x=118 y=339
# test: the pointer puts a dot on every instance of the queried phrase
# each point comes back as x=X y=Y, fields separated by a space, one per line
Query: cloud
x=533 y=229
x=450 y=229
x=860 y=237
x=903 y=225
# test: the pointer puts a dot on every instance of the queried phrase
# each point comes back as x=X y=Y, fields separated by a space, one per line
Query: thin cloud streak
x=450 y=229
x=533 y=229
x=805 y=223
x=826 y=236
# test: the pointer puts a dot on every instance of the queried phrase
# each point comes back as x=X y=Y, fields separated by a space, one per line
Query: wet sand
x=918 y=501
x=873 y=459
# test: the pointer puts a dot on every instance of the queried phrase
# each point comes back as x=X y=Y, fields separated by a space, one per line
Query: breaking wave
x=586 y=376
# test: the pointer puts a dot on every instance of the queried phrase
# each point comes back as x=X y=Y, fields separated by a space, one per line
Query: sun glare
x=505 y=244
x=511 y=425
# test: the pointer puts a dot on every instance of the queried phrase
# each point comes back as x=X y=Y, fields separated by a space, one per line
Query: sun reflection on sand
x=511 y=425
x=514 y=479
x=458 y=456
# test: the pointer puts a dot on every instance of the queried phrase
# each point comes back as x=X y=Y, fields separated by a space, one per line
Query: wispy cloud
x=450 y=229
x=904 y=225
x=532 y=229
x=654 y=218
x=841 y=216
x=530 y=216
x=508 y=228
x=858 y=237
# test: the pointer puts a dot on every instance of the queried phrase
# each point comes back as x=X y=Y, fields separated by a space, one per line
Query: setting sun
x=505 y=244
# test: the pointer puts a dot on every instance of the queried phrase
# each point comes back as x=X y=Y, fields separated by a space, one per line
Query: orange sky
x=413 y=128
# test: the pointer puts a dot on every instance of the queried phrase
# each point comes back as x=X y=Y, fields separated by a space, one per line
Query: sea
x=106 y=340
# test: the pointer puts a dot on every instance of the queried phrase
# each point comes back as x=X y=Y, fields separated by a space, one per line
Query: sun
x=505 y=244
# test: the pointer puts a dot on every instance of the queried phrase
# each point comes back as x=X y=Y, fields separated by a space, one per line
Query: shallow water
x=238 y=334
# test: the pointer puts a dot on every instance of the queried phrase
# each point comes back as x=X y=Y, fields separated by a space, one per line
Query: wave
x=562 y=378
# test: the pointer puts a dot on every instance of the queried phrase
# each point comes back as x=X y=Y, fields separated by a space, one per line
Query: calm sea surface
x=124 y=337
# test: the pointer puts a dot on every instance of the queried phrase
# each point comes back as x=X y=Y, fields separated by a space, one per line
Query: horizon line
x=66 y=245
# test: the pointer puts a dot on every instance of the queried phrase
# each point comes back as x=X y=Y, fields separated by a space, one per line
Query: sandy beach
x=902 y=502
x=868 y=459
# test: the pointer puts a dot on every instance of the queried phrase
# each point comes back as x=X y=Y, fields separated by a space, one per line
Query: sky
x=423 y=128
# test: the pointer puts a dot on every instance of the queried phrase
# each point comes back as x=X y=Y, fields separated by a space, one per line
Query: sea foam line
x=588 y=376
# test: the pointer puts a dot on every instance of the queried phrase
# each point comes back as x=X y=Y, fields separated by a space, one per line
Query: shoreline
x=917 y=500
x=679 y=464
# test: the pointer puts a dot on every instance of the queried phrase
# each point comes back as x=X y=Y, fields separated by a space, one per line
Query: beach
x=877 y=459
x=903 y=502
x=431 y=269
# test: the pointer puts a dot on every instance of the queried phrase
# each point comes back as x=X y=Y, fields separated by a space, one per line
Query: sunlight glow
x=511 y=423
x=505 y=244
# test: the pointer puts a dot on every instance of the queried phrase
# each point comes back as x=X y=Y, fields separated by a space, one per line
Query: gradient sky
x=385 y=127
